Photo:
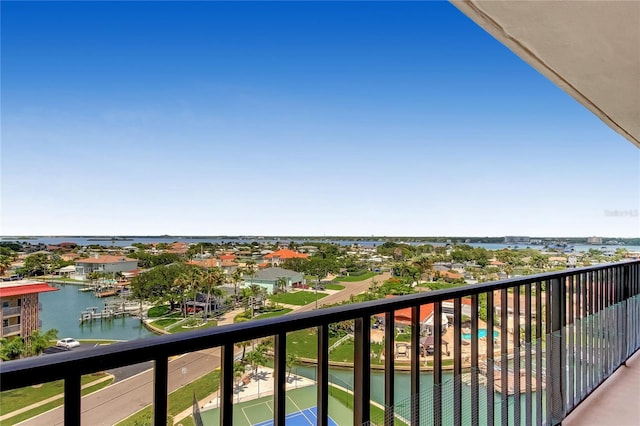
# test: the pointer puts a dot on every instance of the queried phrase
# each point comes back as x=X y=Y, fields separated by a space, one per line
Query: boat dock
x=92 y=314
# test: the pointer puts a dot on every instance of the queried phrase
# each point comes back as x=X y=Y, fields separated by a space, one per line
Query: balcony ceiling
x=590 y=49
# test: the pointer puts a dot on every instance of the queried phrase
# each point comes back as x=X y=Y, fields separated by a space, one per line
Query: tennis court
x=300 y=406
x=305 y=417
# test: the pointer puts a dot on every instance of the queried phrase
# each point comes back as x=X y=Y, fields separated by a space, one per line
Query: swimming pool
x=481 y=333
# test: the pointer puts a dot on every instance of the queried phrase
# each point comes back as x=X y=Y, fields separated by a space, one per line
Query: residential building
x=104 y=263
x=268 y=279
x=277 y=257
x=20 y=306
x=516 y=239
x=594 y=240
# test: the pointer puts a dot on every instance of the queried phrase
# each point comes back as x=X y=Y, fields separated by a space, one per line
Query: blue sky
x=293 y=118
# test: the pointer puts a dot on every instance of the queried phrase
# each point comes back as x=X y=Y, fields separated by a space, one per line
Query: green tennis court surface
x=300 y=407
x=306 y=417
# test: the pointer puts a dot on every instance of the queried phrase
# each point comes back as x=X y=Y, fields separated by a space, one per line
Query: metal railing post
x=226 y=385
x=362 y=371
x=558 y=361
x=160 y=381
x=72 y=400
x=389 y=366
x=322 y=396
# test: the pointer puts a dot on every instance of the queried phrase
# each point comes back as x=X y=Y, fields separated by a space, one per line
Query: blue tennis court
x=305 y=417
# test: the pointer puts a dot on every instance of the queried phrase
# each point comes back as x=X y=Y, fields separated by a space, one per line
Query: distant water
x=61 y=310
x=106 y=241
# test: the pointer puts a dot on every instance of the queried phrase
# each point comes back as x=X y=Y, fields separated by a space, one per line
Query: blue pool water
x=481 y=333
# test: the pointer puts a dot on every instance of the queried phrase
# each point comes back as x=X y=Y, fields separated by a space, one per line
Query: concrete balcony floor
x=615 y=402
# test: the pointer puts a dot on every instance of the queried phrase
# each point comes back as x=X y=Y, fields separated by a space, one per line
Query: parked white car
x=68 y=343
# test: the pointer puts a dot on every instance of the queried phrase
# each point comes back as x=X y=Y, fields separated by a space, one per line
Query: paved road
x=118 y=401
x=351 y=289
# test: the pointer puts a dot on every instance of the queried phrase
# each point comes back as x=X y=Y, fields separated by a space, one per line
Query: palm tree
x=251 y=270
x=236 y=279
x=244 y=345
x=424 y=265
x=256 y=358
x=213 y=277
x=11 y=348
x=37 y=342
x=194 y=277
x=5 y=263
x=292 y=359
x=281 y=284
x=256 y=291
x=238 y=371
x=181 y=287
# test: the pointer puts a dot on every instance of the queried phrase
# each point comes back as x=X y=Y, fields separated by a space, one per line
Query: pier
x=92 y=314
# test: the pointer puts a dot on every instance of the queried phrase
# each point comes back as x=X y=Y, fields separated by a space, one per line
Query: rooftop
x=16 y=288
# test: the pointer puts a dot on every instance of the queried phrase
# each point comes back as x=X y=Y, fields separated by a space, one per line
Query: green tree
x=244 y=345
x=281 y=284
x=238 y=371
x=250 y=270
x=36 y=264
x=38 y=341
x=321 y=267
x=5 y=263
x=212 y=279
x=256 y=358
x=11 y=348
x=424 y=266
x=292 y=359
x=236 y=279
x=297 y=264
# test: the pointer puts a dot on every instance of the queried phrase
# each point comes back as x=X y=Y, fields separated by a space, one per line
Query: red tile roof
x=16 y=290
x=205 y=263
x=286 y=254
x=227 y=256
x=404 y=315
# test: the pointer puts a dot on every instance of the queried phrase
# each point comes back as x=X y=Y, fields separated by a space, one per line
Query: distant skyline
x=293 y=118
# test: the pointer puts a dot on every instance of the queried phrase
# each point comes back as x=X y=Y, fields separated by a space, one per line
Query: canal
x=61 y=310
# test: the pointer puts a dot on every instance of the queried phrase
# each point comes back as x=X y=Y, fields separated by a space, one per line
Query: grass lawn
x=179 y=400
x=63 y=280
x=304 y=343
x=299 y=298
x=158 y=311
x=274 y=313
x=245 y=316
x=355 y=278
x=50 y=405
x=344 y=352
x=17 y=398
x=164 y=322
x=334 y=287
x=184 y=327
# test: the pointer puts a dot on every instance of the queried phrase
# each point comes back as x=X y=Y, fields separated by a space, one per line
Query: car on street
x=68 y=343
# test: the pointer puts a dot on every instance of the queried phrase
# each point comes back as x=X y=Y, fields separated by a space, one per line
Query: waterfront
x=128 y=241
x=61 y=310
